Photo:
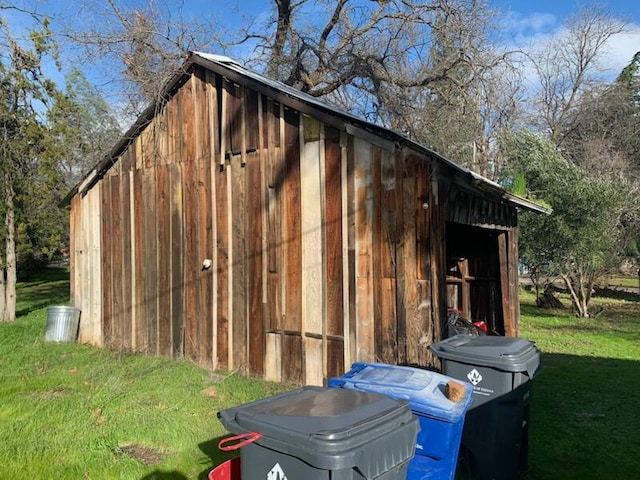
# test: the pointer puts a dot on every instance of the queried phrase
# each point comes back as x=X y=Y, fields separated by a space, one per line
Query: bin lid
x=423 y=389
x=510 y=354
x=322 y=426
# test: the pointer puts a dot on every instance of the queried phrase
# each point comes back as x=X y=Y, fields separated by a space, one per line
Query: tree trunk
x=9 y=280
x=577 y=288
x=3 y=288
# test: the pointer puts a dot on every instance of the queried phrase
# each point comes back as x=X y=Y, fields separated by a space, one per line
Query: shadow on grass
x=210 y=449
x=160 y=475
x=584 y=422
x=49 y=286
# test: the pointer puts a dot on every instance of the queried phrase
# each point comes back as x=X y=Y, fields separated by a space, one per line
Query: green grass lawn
x=584 y=420
x=70 y=411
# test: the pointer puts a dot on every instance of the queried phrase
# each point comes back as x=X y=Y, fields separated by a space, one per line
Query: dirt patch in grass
x=148 y=456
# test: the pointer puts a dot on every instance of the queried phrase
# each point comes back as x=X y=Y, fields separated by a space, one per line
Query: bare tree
x=426 y=69
x=137 y=49
x=566 y=66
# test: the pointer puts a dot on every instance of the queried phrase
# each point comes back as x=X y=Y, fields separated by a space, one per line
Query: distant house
x=328 y=239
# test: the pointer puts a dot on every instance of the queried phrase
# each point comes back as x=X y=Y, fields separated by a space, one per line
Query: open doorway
x=473 y=275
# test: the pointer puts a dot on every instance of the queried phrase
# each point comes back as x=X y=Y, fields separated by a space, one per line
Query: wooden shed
x=329 y=239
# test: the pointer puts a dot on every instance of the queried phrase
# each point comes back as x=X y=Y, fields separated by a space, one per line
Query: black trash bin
x=496 y=430
x=315 y=433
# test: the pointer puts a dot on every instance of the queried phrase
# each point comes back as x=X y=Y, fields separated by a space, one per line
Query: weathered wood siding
x=326 y=247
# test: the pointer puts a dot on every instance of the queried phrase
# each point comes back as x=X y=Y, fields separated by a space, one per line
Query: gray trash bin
x=62 y=324
x=315 y=433
x=496 y=430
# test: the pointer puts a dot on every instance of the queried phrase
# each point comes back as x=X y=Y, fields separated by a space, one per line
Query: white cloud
x=620 y=50
x=530 y=24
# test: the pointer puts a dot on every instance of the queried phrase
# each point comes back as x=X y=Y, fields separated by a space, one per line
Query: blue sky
x=528 y=23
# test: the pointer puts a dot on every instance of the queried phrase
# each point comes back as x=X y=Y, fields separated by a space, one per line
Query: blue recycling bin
x=441 y=420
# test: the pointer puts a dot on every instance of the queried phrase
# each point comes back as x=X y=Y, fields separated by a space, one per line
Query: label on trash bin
x=276 y=473
x=475 y=377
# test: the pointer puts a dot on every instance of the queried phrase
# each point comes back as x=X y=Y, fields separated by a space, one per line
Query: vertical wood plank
x=514 y=282
x=349 y=227
x=214 y=102
x=255 y=319
x=139 y=301
x=222 y=256
x=273 y=364
x=335 y=357
x=116 y=334
x=401 y=278
x=437 y=208
x=292 y=358
x=223 y=96
x=387 y=244
x=505 y=288
x=275 y=185
x=95 y=253
x=333 y=242
x=205 y=277
x=410 y=296
x=312 y=282
x=313 y=353
x=239 y=232
x=163 y=195
x=192 y=261
x=292 y=225
x=188 y=138
x=149 y=269
x=126 y=318
x=292 y=343
x=423 y=325
x=177 y=259
x=363 y=191
x=107 y=260
x=252 y=128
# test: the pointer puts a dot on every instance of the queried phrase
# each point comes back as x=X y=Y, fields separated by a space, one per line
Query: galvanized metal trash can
x=496 y=430
x=62 y=324
x=316 y=433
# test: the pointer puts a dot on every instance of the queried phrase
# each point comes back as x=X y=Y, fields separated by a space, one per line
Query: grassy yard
x=71 y=411
x=584 y=420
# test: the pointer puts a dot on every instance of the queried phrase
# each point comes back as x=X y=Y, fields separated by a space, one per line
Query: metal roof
x=230 y=68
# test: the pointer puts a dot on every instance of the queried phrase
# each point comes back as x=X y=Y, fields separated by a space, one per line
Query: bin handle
x=246 y=439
